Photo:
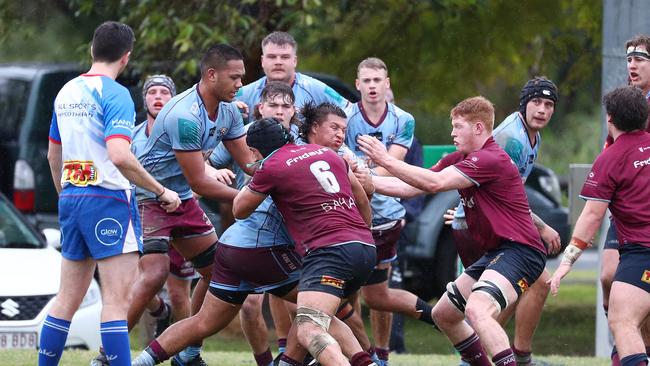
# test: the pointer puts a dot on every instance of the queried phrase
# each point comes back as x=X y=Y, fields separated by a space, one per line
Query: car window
x=13 y=103
x=14 y=233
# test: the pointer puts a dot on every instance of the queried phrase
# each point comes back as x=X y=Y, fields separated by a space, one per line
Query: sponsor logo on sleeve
x=188 y=131
x=332 y=281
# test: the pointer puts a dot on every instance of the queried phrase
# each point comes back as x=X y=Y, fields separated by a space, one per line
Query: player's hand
x=364 y=177
x=551 y=238
x=225 y=176
x=352 y=162
x=374 y=149
x=169 y=200
x=449 y=216
x=562 y=270
x=243 y=109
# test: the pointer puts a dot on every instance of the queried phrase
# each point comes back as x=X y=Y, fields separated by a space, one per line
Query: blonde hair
x=372 y=63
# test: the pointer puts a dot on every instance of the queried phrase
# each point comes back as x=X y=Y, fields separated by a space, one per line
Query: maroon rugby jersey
x=496 y=206
x=620 y=175
x=310 y=186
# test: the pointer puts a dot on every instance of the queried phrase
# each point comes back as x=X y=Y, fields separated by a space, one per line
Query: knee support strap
x=455 y=297
x=305 y=314
x=155 y=245
x=493 y=291
x=319 y=343
x=344 y=311
x=205 y=258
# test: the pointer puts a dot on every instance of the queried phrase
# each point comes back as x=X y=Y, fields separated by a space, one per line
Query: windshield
x=14 y=233
x=13 y=103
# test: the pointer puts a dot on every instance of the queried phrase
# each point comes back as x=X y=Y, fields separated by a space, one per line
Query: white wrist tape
x=571 y=254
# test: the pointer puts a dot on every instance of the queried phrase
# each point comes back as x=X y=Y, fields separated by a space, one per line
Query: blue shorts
x=339 y=270
x=519 y=263
x=611 y=241
x=98 y=222
x=634 y=266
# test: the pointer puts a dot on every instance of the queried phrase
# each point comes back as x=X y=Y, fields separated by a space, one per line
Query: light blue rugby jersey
x=395 y=127
x=183 y=125
x=305 y=88
x=512 y=136
x=265 y=226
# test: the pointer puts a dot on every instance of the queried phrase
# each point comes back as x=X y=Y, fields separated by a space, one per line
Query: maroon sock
x=504 y=358
x=472 y=352
x=289 y=360
x=522 y=357
x=264 y=358
x=382 y=353
x=361 y=359
x=157 y=352
x=616 y=361
x=282 y=343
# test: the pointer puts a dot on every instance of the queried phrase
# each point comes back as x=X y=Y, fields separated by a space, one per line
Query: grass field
x=567 y=328
x=81 y=358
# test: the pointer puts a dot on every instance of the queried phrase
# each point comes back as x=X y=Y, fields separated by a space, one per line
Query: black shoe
x=100 y=360
x=163 y=321
x=196 y=361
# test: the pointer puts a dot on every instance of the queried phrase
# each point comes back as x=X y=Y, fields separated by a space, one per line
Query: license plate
x=18 y=340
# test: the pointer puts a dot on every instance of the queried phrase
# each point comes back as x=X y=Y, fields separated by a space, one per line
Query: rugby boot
x=196 y=361
x=100 y=359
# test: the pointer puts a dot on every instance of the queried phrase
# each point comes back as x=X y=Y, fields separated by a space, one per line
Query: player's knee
x=251 y=308
x=493 y=292
x=374 y=296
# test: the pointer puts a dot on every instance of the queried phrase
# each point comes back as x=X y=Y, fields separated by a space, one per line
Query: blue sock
x=115 y=339
x=189 y=353
x=53 y=336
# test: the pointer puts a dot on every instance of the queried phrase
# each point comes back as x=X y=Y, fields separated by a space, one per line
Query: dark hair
x=217 y=56
x=111 y=41
x=315 y=114
x=639 y=40
x=280 y=39
x=627 y=108
x=267 y=135
x=537 y=87
x=273 y=89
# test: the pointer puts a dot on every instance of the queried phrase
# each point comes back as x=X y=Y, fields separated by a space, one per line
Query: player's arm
x=583 y=233
x=548 y=234
x=55 y=159
x=363 y=204
x=396 y=151
x=420 y=178
x=241 y=153
x=119 y=153
x=193 y=167
x=394 y=187
x=246 y=202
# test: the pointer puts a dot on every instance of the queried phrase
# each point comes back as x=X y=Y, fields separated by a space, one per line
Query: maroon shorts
x=386 y=242
x=187 y=221
x=179 y=266
x=254 y=270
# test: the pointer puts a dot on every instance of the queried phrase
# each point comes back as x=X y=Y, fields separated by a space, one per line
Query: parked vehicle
x=31 y=268
x=27 y=93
